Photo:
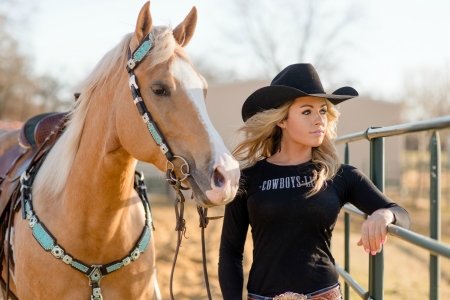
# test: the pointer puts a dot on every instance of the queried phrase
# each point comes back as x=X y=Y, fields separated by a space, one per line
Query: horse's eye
x=160 y=90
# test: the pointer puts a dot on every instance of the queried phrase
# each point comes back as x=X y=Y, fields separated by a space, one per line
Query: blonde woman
x=291 y=192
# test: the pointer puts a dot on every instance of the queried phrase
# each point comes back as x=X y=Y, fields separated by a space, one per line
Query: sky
x=389 y=40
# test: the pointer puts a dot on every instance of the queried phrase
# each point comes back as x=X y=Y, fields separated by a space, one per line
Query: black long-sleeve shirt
x=291 y=233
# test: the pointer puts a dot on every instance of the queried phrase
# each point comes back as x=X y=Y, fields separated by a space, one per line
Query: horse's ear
x=185 y=30
x=144 y=22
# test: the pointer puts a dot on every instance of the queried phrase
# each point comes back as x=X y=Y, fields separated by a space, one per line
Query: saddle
x=35 y=133
x=36 y=137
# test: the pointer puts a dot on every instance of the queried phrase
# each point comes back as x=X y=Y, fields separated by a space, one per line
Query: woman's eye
x=160 y=90
x=306 y=112
x=323 y=111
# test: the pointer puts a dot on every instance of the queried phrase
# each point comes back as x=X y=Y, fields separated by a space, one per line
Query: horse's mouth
x=198 y=195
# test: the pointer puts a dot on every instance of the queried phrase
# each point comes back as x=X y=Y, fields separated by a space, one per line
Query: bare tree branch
x=280 y=32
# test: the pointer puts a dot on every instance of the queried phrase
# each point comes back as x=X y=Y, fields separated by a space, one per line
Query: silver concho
x=126 y=261
x=131 y=64
x=135 y=254
x=145 y=118
x=33 y=221
x=57 y=251
x=67 y=259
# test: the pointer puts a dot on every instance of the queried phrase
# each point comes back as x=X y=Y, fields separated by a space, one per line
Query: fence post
x=347 y=235
x=376 y=263
x=435 y=212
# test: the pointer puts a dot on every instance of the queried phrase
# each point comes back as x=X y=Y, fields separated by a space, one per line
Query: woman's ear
x=282 y=124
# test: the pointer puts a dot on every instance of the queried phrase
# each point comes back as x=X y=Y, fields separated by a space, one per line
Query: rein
x=133 y=61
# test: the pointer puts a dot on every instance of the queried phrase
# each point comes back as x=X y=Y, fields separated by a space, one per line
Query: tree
x=426 y=95
x=22 y=93
x=278 y=33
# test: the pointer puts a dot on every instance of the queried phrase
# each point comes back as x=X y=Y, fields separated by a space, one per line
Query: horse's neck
x=101 y=178
x=99 y=193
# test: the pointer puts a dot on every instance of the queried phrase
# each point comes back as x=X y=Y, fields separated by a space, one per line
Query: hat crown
x=300 y=76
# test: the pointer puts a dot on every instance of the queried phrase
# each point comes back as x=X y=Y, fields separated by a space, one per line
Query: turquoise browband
x=140 y=52
x=94 y=272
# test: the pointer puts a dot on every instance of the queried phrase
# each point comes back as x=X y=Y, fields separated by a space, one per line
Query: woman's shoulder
x=345 y=171
x=348 y=174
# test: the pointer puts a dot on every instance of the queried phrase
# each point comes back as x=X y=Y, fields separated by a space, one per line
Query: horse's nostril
x=218 y=178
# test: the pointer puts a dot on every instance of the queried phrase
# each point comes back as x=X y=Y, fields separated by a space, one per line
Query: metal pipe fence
x=433 y=244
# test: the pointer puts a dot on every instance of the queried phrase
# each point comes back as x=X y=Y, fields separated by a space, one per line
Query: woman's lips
x=318 y=132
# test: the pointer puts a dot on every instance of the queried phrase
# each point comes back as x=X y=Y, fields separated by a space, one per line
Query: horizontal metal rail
x=371 y=133
x=354 y=285
x=437 y=248
x=354 y=211
x=433 y=244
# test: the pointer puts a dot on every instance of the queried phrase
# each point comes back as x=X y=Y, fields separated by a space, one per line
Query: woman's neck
x=291 y=155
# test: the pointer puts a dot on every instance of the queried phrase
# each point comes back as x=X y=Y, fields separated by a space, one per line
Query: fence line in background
x=433 y=244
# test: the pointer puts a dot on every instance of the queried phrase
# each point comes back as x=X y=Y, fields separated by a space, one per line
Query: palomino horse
x=83 y=192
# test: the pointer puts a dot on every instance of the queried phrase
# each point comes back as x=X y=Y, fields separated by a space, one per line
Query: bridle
x=96 y=272
x=134 y=59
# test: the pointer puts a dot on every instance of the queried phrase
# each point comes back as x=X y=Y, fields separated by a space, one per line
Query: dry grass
x=406 y=267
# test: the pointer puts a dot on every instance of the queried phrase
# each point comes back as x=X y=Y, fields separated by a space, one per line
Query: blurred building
x=224 y=103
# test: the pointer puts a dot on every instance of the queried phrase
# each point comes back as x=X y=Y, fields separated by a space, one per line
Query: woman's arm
x=234 y=233
x=367 y=197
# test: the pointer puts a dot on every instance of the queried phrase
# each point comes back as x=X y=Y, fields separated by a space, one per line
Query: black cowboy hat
x=298 y=80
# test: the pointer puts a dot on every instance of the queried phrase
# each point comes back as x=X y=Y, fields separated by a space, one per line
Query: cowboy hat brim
x=274 y=96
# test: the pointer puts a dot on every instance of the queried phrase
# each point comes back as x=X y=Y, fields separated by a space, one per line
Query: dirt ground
x=406 y=267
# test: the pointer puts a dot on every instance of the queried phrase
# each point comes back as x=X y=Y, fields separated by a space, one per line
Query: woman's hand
x=374 y=232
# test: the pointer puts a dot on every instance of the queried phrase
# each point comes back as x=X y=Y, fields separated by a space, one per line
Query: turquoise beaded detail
x=79 y=266
x=27 y=206
x=154 y=134
x=143 y=244
x=43 y=238
x=142 y=51
x=114 y=267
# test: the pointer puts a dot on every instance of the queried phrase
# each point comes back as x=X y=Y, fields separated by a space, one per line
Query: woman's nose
x=320 y=119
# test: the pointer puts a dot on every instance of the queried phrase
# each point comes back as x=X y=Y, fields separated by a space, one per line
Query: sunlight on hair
x=261 y=138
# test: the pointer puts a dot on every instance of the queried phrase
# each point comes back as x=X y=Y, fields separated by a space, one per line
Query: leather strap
x=204 y=220
x=180 y=228
x=181 y=231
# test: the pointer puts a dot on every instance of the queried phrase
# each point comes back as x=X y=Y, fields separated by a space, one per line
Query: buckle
x=290 y=296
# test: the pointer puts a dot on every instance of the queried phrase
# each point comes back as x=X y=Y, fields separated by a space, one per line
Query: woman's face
x=306 y=123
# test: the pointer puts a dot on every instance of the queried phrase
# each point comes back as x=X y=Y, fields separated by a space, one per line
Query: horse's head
x=174 y=93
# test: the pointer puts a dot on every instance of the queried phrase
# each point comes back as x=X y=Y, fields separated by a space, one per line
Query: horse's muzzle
x=224 y=182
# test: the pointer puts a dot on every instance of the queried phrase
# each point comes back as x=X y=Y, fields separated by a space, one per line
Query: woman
x=291 y=192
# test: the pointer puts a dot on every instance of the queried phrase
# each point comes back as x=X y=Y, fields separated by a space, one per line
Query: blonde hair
x=262 y=139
